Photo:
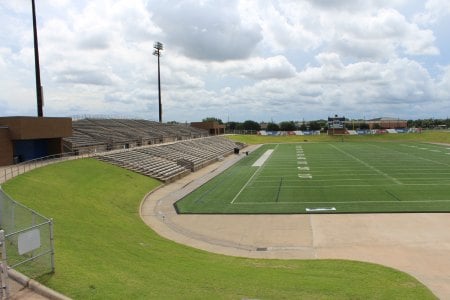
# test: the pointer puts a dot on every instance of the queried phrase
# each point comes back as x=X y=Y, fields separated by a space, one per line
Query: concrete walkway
x=418 y=244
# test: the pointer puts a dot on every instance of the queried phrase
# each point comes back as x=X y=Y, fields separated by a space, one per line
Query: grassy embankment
x=425 y=136
x=105 y=251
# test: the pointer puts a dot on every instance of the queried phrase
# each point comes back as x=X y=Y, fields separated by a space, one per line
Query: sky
x=266 y=60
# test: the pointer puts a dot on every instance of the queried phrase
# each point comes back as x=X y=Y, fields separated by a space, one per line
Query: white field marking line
x=366 y=164
x=250 y=179
x=338 y=177
x=342 y=202
x=419 y=157
x=302 y=187
x=320 y=209
x=439 y=150
x=367 y=178
x=262 y=159
x=360 y=174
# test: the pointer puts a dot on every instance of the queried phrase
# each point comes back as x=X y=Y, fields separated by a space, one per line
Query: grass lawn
x=105 y=251
x=437 y=136
x=337 y=177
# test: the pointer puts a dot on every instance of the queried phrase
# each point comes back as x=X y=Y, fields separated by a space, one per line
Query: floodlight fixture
x=158 y=48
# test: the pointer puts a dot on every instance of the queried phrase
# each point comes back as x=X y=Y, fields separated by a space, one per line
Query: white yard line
x=367 y=165
x=349 y=185
x=422 y=158
x=270 y=151
x=339 y=202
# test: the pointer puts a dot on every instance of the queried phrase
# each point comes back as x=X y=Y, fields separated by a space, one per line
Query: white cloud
x=379 y=35
x=435 y=10
x=443 y=86
x=206 y=30
x=285 y=24
x=285 y=60
x=257 y=68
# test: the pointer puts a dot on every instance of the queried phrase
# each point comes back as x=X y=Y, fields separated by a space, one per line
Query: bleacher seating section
x=93 y=135
x=170 y=161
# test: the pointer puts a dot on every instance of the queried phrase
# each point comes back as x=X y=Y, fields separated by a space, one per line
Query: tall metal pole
x=158 y=47
x=36 y=65
x=159 y=93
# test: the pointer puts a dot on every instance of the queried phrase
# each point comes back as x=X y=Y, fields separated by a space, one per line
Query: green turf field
x=330 y=177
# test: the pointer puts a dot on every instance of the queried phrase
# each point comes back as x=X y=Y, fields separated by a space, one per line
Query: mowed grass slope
x=427 y=136
x=105 y=251
x=331 y=177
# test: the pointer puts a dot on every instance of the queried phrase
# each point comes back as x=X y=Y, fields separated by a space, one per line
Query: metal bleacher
x=92 y=135
x=170 y=161
x=162 y=151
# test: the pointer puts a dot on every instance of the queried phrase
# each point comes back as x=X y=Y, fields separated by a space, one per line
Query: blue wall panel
x=30 y=149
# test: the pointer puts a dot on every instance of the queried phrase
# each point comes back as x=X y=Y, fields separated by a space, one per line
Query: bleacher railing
x=12 y=171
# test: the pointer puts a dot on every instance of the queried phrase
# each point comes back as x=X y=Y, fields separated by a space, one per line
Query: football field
x=330 y=178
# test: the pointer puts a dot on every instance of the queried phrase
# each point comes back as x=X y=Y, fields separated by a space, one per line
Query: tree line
x=429 y=123
x=270 y=126
x=321 y=124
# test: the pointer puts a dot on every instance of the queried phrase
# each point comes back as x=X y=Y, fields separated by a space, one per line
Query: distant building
x=213 y=127
x=386 y=123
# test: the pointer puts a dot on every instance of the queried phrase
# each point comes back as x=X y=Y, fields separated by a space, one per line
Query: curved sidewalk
x=418 y=244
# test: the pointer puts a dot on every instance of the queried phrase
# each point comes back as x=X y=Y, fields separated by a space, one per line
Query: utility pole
x=158 y=48
x=40 y=103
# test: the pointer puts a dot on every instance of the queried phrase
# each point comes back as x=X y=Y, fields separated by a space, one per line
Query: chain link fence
x=27 y=240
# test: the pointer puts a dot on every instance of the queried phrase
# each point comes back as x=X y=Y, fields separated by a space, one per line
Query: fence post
x=52 y=246
x=4 y=267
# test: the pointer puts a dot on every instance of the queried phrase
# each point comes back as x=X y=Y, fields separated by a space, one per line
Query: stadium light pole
x=158 y=48
x=40 y=103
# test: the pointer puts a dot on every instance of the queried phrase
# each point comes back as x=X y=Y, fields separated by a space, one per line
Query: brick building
x=213 y=127
x=26 y=138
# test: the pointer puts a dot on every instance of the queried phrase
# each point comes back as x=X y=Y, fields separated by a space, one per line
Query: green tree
x=239 y=126
x=314 y=125
x=251 y=125
x=212 y=119
x=287 y=126
x=273 y=127
x=232 y=125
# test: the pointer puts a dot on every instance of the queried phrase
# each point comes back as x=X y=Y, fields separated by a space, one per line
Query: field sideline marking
x=256 y=172
x=350 y=185
x=367 y=165
x=340 y=202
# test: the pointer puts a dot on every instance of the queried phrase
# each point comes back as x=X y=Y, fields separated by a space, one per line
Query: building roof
x=386 y=119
